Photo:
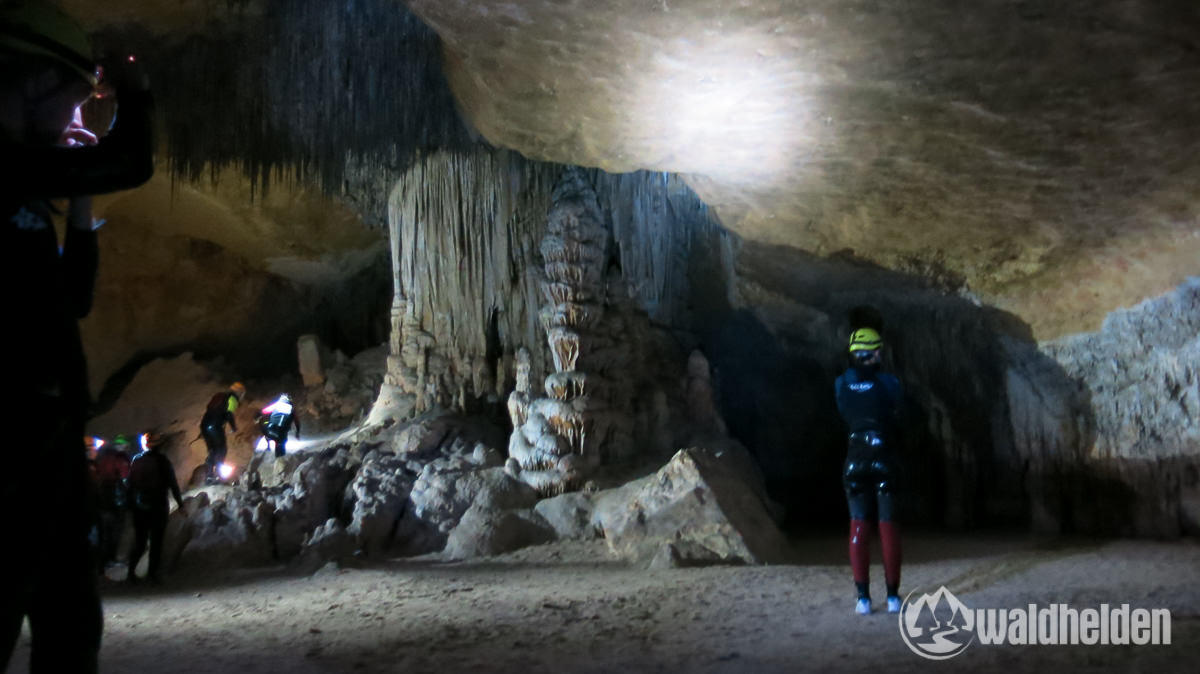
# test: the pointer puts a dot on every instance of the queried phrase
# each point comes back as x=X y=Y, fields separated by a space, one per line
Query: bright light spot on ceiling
x=724 y=106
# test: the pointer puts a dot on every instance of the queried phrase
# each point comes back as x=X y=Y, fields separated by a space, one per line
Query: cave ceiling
x=1040 y=156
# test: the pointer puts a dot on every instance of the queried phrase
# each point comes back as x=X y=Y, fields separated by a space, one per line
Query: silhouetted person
x=151 y=482
x=112 y=472
x=219 y=412
x=276 y=420
x=869 y=401
x=46 y=74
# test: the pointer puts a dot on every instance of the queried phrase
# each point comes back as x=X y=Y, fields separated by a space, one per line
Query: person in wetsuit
x=151 y=481
x=869 y=401
x=46 y=74
x=276 y=421
x=112 y=471
x=220 y=411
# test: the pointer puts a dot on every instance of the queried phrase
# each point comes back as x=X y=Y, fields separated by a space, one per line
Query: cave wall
x=986 y=218
x=203 y=268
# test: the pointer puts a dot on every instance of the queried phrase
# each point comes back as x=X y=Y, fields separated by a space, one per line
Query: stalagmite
x=570 y=430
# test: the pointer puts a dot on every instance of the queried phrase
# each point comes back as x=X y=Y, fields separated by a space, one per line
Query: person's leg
x=860 y=553
x=281 y=446
x=214 y=439
x=861 y=503
x=65 y=618
x=219 y=459
x=158 y=528
x=141 y=532
x=11 y=617
x=110 y=534
x=889 y=539
x=16 y=601
x=889 y=531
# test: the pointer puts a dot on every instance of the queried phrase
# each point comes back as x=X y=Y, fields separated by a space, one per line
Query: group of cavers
x=139 y=484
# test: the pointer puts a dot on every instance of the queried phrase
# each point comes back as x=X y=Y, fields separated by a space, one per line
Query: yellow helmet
x=865 y=339
x=38 y=28
x=239 y=389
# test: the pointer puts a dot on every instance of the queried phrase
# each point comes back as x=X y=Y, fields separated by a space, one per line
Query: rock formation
x=585 y=420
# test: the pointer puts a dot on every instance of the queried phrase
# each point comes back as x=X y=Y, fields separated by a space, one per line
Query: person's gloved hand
x=76 y=134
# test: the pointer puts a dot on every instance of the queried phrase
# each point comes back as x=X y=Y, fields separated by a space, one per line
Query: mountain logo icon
x=936 y=626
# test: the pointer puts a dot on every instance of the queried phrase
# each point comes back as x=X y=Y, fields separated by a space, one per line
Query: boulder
x=267 y=470
x=703 y=502
x=569 y=516
x=314 y=493
x=484 y=531
x=380 y=491
x=440 y=497
x=233 y=532
x=328 y=542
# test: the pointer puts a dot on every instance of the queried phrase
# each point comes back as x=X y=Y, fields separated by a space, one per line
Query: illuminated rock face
x=1038 y=157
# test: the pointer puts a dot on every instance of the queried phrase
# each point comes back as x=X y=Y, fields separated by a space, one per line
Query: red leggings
x=860 y=553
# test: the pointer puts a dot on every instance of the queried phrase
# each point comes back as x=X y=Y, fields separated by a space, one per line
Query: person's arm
x=231 y=405
x=296 y=420
x=837 y=395
x=121 y=160
x=172 y=483
x=81 y=257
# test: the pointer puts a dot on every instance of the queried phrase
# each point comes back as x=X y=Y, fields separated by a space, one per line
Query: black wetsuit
x=48 y=571
x=151 y=481
x=112 y=469
x=869 y=402
x=212 y=429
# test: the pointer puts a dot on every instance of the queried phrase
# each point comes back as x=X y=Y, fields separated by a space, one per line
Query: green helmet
x=865 y=339
x=39 y=29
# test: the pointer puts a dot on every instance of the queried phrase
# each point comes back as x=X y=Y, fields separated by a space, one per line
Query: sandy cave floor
x=568 y=608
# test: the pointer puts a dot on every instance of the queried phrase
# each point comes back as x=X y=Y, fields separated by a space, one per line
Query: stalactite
x=299 y=90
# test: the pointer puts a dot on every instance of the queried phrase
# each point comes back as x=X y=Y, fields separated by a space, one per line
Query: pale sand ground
x=567 y=608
